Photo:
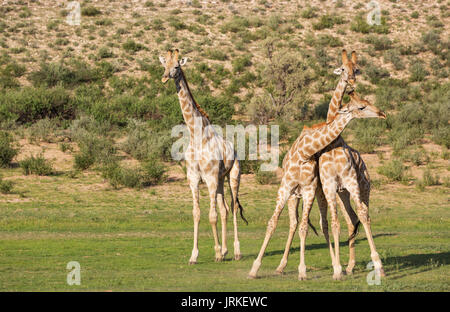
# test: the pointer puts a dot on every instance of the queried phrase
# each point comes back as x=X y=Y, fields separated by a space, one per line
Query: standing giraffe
x=342 y=171
x=208 y=157
x=300 y=170
x=347 y=72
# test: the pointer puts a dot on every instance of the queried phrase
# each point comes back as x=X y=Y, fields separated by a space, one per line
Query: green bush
x=265 y=177
x=393 y=170
x=142 y=142
x=5 y=186
x=30 y=104
x=7 y=151
x=90 y=11
x=153 y=172
x=417 y=71
x=36 y=165
x=375 y=73
x=131 y=46
x=328 y=21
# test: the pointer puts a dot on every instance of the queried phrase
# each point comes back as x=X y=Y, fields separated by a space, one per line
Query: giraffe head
x=172 y=66
x=360 y=108
x=349 y=69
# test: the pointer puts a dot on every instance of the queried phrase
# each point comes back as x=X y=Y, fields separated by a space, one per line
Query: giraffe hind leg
x=293 y=222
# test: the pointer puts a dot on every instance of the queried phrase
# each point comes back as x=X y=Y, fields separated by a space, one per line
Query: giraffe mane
x=319 y=125
x=202 y=112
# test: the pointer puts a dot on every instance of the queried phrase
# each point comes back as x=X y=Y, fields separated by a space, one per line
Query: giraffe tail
x=355 y=231
x=241 y=210
x=312 y=227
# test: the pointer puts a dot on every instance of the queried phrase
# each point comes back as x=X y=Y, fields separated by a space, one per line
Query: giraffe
x=300 y=171
x=347 y=72
x=208 y=157
x=343 y=171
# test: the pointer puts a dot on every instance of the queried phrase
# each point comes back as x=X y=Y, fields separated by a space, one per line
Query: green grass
x=141 y=240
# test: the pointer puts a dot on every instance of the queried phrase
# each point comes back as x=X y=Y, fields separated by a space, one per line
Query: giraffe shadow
x=401 y=266
x=315 y=246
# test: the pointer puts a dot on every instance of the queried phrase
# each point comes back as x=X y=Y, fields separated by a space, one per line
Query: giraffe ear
x=183 y=61
x=162 y=60
x=338 y=71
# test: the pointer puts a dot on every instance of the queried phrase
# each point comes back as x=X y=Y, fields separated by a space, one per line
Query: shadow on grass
x=315 y=246
x=415 y=263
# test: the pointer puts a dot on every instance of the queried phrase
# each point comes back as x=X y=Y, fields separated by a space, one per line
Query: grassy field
x=128 y=240
x=84 y=107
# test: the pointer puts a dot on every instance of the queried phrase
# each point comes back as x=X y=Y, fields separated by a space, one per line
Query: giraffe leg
x=223 y=216
x=363 y=214
x=293 y=221
x=330 y=194
x=283 y=194
x=194 y=179
x=212 y=184
x=234 y=181
x=308 y=199
x=352 y=222
x=323 y=208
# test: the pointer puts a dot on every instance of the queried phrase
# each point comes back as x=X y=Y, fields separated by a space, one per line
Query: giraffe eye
x=362 y=108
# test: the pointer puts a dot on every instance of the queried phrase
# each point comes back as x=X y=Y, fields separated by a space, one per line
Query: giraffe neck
x=190 y=109
x=336 y=100
x=315 y=141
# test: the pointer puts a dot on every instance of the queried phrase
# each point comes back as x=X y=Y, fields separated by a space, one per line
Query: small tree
x=285 y=79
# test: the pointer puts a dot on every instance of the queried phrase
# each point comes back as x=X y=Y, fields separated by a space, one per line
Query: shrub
x=379 y=42
x=5 y=186
x=417 y=71
x=36 y=165
x=327 y=21
x=393 y=170
x=153 y=172
x=393 y=56
x=7 y=151
x=142 y=142
x=265 y=177
x=240 y=63
x=31 y=104
x=131 y=46
x=42 y=130
x=368 y=136
x=428 y=179
x=90 y=11
x=360 y=24
x=309 y=12
x=375 y=74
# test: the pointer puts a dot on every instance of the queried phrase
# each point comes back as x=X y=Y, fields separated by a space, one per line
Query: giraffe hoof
x=237 y=257
x=219 y=258
x=279 y=271
x=349 y=271
x=302 y=277
x=191 y=262
x=337 y=277
x=382 y=274
x=251 y=276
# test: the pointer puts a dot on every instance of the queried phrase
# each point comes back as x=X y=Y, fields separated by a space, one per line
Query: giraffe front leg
x=193 y=183
x=330 y=194
x=212 y=188
x=323 y=209
x=293 y=222
x=223 y=217
x=308 y=199
x=283 y=195
x=352 y=225
x=233 y=182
